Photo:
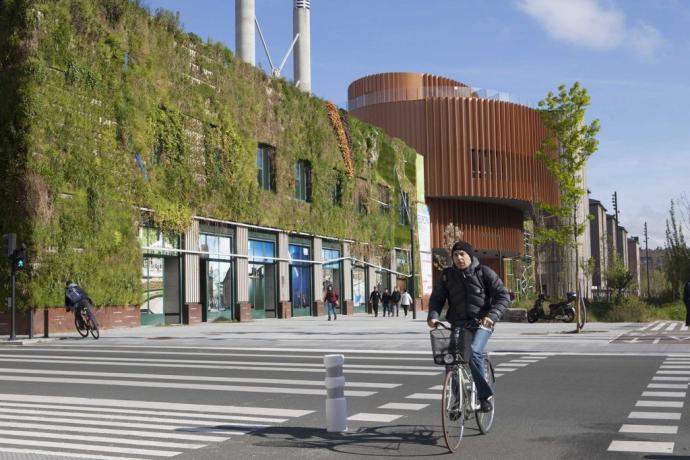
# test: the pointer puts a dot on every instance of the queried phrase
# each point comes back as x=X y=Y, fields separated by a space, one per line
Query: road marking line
x=684 y=328
x=498 y=375
x=515 y=364
x=146 y=434
x=648 y=326
x=651 y=429
x=528 y=361
x=124 y=403
x=366 y=417
x=143 y=412
x=114 y=350
x=434 y=396
x=656 y=341
x=403 y=406
x=676 y=386
x=104 y=359
x=672 y=379
x=671 y=404
x=671 y=327
x=673 y=372
x=196 y=378
x=161 y=420
x=256 y=367
x=107 y=439
x=88 y=448
x=656 y=415
x=664 y=394
x=436 y=388
x=187 y=386
x=143 y=426
x=505 y=369
x=62 y=454
x=658 y=326
x=641 y=446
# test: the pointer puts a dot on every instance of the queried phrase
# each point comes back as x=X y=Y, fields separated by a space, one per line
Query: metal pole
x=412 y=269
x=646 y=250
x=13 y=335
x=577 y=271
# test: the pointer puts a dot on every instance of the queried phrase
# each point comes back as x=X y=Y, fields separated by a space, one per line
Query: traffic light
x=19 y=259
x=11 y=240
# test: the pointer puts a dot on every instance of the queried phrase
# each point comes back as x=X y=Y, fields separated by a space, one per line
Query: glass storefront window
x=360 y=296
x=262 y=278
x=218 y=276
x=332 y=273
x=300 y=279
x=161 y=300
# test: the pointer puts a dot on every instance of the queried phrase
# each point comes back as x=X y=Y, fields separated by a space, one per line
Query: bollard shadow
x=377 y=441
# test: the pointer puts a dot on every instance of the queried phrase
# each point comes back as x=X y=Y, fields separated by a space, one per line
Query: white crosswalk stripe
x=75 y=427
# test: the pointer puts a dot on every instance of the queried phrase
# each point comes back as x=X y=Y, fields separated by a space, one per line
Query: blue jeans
x=331 y=308
x=476 y=361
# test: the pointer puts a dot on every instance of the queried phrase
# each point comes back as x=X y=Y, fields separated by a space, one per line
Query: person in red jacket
x=331 y=301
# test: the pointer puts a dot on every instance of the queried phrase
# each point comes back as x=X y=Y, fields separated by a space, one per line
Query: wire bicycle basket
x=449 y=349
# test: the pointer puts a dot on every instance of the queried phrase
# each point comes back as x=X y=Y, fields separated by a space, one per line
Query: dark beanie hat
x=463 y=246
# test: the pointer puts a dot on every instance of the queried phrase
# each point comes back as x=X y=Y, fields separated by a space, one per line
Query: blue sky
x=632 y=55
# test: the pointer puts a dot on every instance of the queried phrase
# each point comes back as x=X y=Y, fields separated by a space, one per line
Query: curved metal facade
x=481 y=170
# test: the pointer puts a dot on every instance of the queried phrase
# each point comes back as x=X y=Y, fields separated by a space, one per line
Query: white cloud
x=645 y=40
x=591 y=24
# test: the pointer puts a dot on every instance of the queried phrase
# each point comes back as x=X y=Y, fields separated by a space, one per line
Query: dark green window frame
x=303 y=180
x=265 y=167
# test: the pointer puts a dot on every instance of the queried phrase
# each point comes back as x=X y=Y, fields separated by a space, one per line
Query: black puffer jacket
x=475 y=292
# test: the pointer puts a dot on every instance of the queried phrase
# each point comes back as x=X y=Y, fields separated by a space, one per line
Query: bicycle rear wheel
x=486 y=419
x=452 y=418
x=84 y=329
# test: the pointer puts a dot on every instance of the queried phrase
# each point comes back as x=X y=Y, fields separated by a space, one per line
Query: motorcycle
x=562 y=311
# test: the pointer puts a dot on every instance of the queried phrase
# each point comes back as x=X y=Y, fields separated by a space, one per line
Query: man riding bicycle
x=475 y=295
x=77 y=299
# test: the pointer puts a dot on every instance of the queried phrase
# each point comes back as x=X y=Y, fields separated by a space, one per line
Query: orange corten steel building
x=480 y=165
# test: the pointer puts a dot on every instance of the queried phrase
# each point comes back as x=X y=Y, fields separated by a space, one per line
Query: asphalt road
x=256 y=391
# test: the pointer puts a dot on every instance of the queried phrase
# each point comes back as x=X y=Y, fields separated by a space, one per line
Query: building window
x=303 y=180
x=404 y=208
x=384 y=199
x=265 y=167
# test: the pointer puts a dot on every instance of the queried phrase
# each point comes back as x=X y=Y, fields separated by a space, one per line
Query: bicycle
x=459 y=400
x=86 y=323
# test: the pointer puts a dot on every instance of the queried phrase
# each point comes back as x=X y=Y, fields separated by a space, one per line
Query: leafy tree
x=565 y=152
x=676 y=254
x=618 y=277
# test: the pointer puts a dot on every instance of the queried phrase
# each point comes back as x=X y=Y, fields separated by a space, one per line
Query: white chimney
x=302 y=59
x=245 y=40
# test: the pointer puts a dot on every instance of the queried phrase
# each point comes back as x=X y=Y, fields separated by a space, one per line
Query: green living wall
x=107 y=108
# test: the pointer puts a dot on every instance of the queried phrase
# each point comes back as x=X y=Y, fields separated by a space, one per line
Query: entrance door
x=300 y=280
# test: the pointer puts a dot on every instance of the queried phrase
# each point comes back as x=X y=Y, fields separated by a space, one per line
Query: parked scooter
x=561 y=311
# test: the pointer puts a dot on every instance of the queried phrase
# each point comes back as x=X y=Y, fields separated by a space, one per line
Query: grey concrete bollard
x=336 y=405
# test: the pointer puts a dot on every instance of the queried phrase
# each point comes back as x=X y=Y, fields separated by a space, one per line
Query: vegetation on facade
x=106 y=109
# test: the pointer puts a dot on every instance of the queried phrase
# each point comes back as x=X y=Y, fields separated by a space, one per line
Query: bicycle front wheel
x=486 y=419
x=452 y=406
x=84 y=329
x=94 y=330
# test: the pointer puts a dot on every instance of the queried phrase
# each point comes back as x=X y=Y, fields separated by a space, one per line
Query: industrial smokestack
x=302 y=59
x=245 y=40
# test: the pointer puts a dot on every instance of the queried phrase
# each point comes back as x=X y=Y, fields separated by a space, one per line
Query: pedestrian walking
x=686 y=300
x=331 y=300
x=395 y=301
x=386 y=301
x=405 y=301
x=374 y=299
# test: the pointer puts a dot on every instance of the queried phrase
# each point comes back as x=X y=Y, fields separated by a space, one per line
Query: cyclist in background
x=75 y=300
x=475 y=295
